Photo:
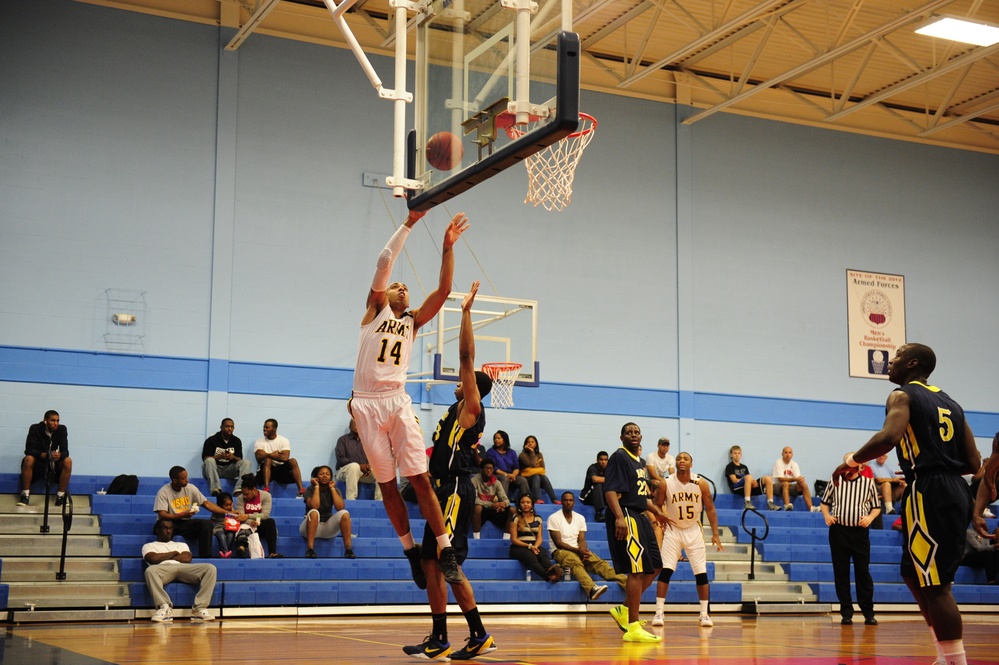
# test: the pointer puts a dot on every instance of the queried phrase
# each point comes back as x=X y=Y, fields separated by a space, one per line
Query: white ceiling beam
x=263 y=9
x=961 y=118
x=815 y=63
x=738 y=23
x=919 y=79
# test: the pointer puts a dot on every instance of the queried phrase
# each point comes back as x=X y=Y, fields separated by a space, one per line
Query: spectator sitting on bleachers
x=222 y=457
x=788 y=475
x=593 y=486
x=254 y=509
x=179 y=502
x=660 y=463
x=740 y=481
x=352 y=464
x=988 y=475
x=225 y=527
x=532 y=466
x=567 y=539
x=273 y=453
x=170 y=561
x=321 y=499
x=981 y=553
x=506 y=466
x=526 y=531
x=44 y=439
x=889 y=481
x=491 y=502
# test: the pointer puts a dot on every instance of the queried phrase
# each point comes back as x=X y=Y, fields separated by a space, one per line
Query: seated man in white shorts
x=321 y=499
x=683 y=497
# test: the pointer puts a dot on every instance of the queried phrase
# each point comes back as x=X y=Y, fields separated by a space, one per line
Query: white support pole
x=522 y=42
x=399 y=131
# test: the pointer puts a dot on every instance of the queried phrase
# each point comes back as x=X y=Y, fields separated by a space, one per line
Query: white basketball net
x=504 y=375
x=550 y=171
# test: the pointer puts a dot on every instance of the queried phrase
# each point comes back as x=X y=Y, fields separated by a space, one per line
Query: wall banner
x=875 y=321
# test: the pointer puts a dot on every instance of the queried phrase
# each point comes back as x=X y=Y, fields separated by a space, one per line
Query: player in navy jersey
x=935 y=447
x=453 y=461
x=633 y=546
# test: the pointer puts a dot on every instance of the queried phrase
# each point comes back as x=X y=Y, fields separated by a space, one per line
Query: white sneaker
x=706 y=621
x=988 y=514
x=202 y=615
x=816 y=509
x=657 y=620
x=163 y=615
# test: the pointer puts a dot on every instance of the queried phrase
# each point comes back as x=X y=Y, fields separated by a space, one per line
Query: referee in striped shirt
x=849 y=508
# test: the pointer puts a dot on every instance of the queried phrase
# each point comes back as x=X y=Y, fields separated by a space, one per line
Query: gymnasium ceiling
x=849 y=65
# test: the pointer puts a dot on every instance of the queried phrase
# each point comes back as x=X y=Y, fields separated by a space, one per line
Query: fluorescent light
x=961 y=30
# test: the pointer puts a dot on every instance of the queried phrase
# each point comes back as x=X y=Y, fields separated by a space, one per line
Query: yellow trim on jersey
x=925 y=385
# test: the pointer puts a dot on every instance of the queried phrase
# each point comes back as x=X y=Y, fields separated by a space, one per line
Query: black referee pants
x=852 y=542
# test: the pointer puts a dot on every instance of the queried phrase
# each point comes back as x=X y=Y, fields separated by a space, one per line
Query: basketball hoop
x=504 y=375
x=550 y=171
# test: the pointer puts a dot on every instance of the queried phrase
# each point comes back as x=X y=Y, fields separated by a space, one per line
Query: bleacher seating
x=381 y=576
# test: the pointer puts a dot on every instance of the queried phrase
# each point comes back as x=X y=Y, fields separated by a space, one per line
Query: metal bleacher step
x=67 y=594
x=49 y=545
x=29 y=523
x=44 y=569
x=738 y=571
x=762 y=591
x=8 y=504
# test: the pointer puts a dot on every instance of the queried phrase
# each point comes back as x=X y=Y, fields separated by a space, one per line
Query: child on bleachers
x=225 y=527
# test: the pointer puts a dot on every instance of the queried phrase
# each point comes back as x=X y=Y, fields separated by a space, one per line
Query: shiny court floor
x=592 y=639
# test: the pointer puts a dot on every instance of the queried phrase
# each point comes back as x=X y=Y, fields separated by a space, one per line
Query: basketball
x=444 y=151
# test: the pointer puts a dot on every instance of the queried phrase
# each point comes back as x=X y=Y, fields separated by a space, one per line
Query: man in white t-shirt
x=567 y=542
x=660 y=463
x=273 y=454
x=788 y=476
x=169 y=561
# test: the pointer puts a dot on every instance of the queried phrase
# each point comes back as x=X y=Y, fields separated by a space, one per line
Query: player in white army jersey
x=382 y=410
x=683 y=496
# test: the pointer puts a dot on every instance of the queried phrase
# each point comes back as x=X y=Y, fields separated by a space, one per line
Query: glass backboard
x=501 y=77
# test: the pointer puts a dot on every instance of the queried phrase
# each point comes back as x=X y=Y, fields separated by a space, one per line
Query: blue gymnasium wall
x=695 y=284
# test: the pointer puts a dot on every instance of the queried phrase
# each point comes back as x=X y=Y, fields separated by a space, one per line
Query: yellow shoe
x=636 y=633
x=620 y=614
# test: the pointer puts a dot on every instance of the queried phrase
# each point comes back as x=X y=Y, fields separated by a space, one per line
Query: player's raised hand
x=458 y=225
x=466 y=302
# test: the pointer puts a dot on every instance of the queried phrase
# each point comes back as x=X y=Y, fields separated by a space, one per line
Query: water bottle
x=528 y=576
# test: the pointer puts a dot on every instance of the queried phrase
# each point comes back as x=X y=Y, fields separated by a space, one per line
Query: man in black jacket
x=47 y=446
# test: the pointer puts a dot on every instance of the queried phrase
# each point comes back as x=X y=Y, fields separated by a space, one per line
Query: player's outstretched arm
x=383 y=267
x=471 y=400
x=892 y=431
x=434 y=301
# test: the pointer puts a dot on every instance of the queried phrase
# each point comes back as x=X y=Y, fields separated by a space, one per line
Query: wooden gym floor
x=530 y=639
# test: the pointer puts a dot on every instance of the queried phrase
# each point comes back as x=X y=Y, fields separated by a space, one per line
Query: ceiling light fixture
x=961 y=30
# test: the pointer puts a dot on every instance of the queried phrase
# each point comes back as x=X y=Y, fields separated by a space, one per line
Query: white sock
x=475 y=535
x=953 y=652
x=660 y=604
x=26 y=492
x=60 y=494
x=936 y=643
x=443 y=541
x=407 y=541
x=704 y=608
x=889 y=506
